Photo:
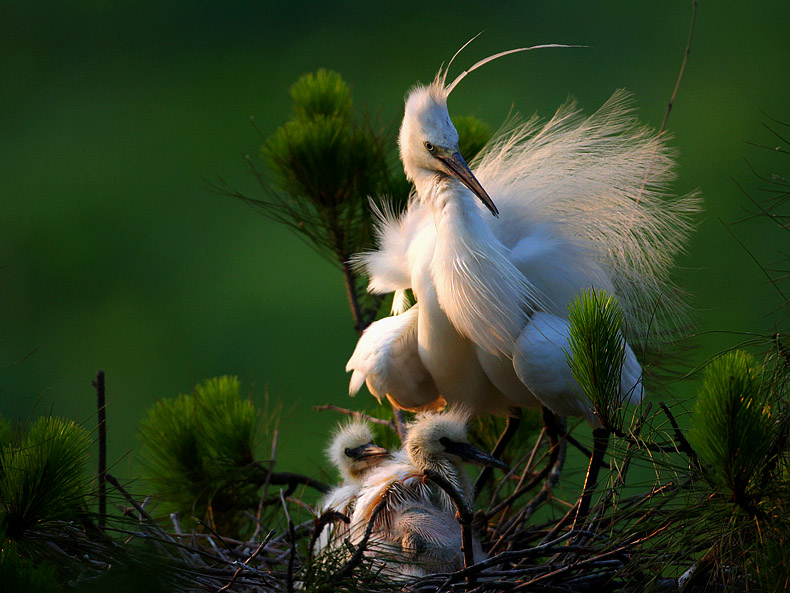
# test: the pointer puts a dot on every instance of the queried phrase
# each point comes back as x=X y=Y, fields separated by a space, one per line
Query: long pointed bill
x=366 y=451
x=472 y=454
x=457 y=167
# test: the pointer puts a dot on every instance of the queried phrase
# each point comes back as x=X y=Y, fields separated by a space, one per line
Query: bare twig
x=357 y=415
x=600 y=444
x=327 y=517
x=682 y=66
x=246 y=562
x=683 y=443
x=98 y=384
x=511 y=427
x=464 y=516
x=292 y=552
x=141 y=511
x=356 y=557
x=556 y=462
x=261 y=475
x=361 y=320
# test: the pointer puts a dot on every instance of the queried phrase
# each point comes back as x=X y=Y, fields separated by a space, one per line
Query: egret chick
x=353 y=453
x=417 y=524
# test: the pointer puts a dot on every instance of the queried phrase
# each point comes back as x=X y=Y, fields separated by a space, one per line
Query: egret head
x=429 y=141
x=352 y=451
x=438 y=436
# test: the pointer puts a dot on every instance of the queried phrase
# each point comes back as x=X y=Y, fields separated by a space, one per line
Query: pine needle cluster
x=597 y=351
x=42 y=477
x=326 y=165
x=740 y=432
x=199 y=453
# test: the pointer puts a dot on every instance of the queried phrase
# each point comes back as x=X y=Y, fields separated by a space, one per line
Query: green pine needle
x=43 y=479
x=6 y=432
x=198 y=450
x=597 y=350
x=20 y=575
x=733 y=428
x=230 y=424
x=324 y=93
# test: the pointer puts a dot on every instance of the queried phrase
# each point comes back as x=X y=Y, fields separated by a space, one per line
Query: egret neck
x=484 y=295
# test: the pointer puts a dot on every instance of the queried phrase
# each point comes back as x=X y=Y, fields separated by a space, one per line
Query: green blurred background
x=113 y=114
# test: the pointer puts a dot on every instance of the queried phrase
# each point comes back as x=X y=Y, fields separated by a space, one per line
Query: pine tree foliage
x=597 y=350
x=43 y=478
x=323 y=93
x=199 y=449
x=21 y=575
x=326 y=165
x=738 y=511
x=734 y=430
x=6 y=432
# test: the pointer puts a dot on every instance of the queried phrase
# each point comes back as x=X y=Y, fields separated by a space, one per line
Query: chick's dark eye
x=429 y=147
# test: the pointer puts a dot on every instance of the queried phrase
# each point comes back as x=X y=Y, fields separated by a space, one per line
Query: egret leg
x=554 y=430
x=513 y=421
x=600 y=444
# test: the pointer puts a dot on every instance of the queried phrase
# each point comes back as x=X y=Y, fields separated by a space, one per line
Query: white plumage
x=354 y=455
x=582 y=203
x=416 y=528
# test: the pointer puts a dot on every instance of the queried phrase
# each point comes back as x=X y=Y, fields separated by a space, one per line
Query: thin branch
x=682 y=67
x=98 y=384
x=259 y=475
x=357 y=415
x=464 y=516
x=246 y=562
x=683 y=443
x=292 y=551
x=600 y=444
x=327 y=517
x=356 y=558
x=511 y=427
x=142 y=512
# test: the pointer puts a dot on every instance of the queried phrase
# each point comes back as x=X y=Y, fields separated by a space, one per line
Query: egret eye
x=429 y=147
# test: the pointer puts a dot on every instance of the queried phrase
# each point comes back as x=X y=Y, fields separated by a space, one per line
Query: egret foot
x=511 y=427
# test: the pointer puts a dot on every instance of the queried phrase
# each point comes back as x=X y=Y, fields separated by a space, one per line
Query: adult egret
x=353 y=453
x=417 y=524
x=579 y=203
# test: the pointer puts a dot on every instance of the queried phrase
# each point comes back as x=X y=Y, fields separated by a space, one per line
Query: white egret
x=354 y=455
x=417 y=524
x=582 y=205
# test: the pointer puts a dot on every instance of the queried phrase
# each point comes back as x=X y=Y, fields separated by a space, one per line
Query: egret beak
x=457 y=167
x=366 y=451
x=471 y=454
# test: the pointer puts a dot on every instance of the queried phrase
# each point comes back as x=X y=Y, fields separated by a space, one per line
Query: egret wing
x=401 y=240
x=387 y=359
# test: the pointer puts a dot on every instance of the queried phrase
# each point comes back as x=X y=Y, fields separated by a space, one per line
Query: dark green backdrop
x=111 y=114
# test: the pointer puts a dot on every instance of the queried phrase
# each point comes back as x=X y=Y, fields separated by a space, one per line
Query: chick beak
x=456 y=166
x=471 y=454
x=366 y=451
